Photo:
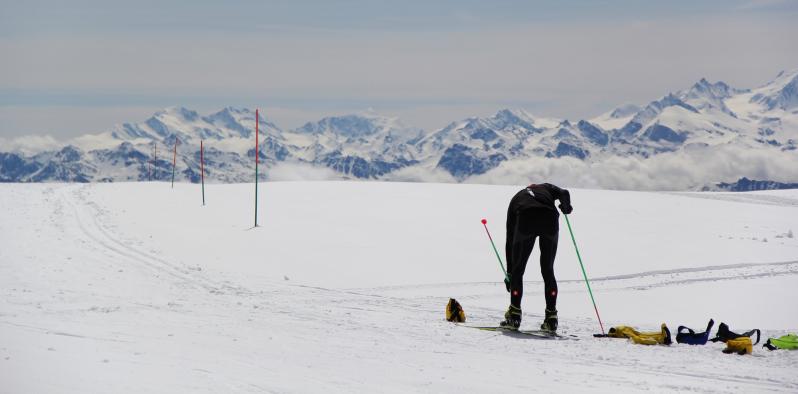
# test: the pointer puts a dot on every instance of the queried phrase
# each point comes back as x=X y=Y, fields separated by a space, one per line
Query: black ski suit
x=532 y=214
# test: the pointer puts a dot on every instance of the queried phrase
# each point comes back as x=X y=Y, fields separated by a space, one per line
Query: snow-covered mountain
x=715 y=132
x=476 y=145
x=362 y=145
x=782 y=93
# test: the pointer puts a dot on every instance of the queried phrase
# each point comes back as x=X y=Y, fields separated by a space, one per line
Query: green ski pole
x=485 y=224
x=584 y=273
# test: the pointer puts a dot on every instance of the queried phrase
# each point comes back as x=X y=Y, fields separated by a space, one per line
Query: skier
x=531 y=215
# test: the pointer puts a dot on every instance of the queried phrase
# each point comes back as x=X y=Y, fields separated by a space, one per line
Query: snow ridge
x=709 y=119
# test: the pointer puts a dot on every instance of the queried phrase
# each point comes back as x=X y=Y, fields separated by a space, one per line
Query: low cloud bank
x=289 y=171
x=421 y=174
x=683 y=170
x=30 y=145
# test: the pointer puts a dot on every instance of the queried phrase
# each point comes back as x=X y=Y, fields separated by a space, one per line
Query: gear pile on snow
x=736 y=343
x=454 y=312
x=786 y=342
x=725 y=335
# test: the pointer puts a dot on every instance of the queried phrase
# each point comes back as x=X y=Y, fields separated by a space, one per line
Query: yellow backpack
x=454 y=312
x=741 y=346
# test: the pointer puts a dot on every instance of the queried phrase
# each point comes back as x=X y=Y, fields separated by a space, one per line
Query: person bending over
x=532 y=215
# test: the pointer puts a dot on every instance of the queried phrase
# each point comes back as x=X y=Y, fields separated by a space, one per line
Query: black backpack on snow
x=724 y=334
x=690 y=337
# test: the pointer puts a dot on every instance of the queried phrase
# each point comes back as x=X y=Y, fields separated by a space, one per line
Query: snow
x=616 y=118
x=547 y=123
x=136 y=287
x=102 y=141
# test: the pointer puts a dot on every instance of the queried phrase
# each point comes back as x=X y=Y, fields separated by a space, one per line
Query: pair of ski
x=534 y=334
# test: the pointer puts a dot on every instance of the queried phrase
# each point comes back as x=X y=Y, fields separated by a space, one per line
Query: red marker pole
x=174 y=162
x=485 y=224
x=202 y=171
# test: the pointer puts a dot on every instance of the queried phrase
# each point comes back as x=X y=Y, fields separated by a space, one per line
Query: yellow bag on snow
x=663 y=337
x=454 y=312
x=741 y=346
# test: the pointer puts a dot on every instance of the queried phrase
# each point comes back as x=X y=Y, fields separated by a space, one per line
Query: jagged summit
x=178 y=112
x=781 y=93
x=706 y=95
x=353 y=125
x=704 y=88
x=188 y=126
x=624 y=111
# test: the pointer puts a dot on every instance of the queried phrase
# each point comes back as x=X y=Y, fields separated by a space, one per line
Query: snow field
x=138 y=288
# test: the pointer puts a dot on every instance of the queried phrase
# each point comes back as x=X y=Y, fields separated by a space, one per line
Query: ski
x=537 y=334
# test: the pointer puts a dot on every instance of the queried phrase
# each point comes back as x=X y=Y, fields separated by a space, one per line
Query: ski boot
x=550 y=321
x=512 y=318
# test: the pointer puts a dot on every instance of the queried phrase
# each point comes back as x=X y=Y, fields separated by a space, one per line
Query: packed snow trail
x=136 y=288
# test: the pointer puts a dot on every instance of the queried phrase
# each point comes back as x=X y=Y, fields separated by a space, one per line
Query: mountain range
x=718 y=133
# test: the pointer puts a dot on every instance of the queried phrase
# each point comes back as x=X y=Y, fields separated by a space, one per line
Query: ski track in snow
x=163 y=326
x=644 y=280
x=100 y=236
x=748 y=198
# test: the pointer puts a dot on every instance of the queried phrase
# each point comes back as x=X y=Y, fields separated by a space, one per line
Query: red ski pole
x=174 y=162
x=485 y=224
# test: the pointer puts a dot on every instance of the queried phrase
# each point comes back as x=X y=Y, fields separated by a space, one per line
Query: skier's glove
x=566 y=209
x=507 y=282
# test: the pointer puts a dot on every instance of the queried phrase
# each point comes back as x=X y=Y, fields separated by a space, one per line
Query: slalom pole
x=174 y=162
x=584 y=273
x=202 y=171
x=256 y=167
x=155 y=163
x=485 y=224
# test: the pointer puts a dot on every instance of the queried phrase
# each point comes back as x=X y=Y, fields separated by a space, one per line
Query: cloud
x=30 y=145
x=683 y=170
x=291 y=171
x=294 y=171
x=421 y=174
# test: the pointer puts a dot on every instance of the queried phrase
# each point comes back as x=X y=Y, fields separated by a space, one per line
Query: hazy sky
x=77 y=67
